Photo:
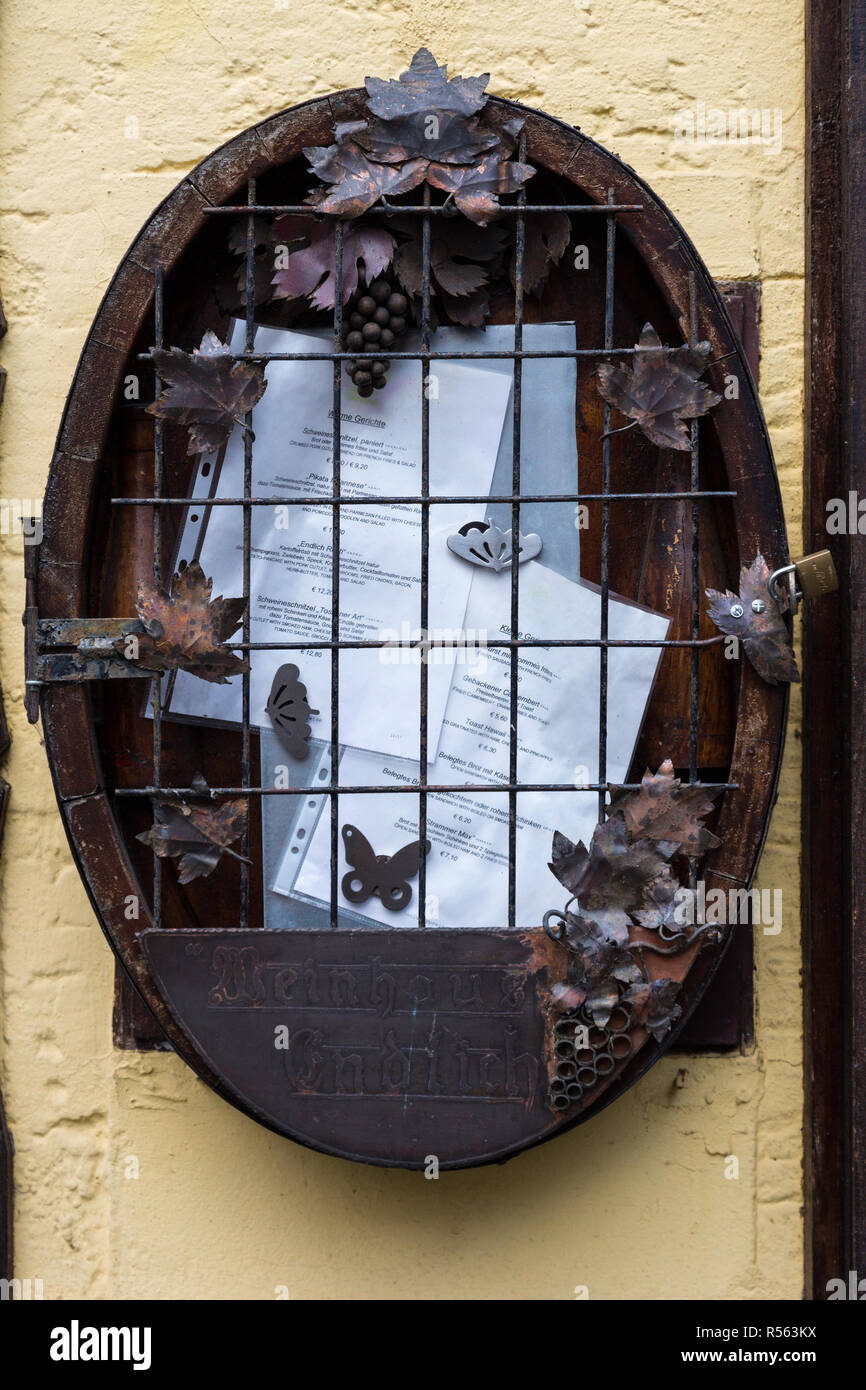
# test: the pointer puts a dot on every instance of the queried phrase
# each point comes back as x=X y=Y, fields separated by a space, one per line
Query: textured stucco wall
x=635 y=1204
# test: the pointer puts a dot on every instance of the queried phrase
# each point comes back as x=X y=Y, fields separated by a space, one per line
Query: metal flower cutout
x=660 y=391
x=289 y=711
x=423 y=127
x=482 y=543
x=209 y=391
x=755 y=617
x=185 y=629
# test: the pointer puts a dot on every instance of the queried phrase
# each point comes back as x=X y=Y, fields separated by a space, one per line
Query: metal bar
x=694 y=478
x=516 y=405
x=416 y=356
x=438 y=210
x=158 y=472
x=403 y=500
x=335 y=569
x=425 y=554
x=605 y=517
x=378 y=789
x=249 y=341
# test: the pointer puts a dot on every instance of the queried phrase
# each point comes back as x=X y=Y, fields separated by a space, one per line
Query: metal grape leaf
x=441 y=137
x=185 y=629
x=425 y=87
x=477 y=188
x=613 y=877
x=660 y=914
x=208 y=391
x=599 y=964
x=358 y=181
x=654 y=1005
x=763 y=633
x=289 y=711
x=667 y=811
x=197 y=835
x=262 y=257
x=463 y=258
x=310 y=270
x=421 y=128
x=546 y=238
x=660 y=391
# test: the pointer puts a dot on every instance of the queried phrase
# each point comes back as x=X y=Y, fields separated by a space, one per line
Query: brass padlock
x=809 y=577
x=817 y=574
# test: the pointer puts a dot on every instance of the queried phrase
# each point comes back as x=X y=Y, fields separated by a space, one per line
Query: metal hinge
x=70 y=649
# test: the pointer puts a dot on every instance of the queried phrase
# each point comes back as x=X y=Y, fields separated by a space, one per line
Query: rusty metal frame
x=65 y=643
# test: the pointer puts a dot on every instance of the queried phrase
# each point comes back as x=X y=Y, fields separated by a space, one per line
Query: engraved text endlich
x=382 y=1029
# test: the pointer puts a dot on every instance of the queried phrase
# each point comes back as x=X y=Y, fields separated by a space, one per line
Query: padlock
x=817 y=574
x=809 y=577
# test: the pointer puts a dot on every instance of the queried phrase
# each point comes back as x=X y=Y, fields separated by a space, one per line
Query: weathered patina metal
x=216 y=1009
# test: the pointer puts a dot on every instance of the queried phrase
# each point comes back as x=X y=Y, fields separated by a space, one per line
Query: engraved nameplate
x=383 y=1044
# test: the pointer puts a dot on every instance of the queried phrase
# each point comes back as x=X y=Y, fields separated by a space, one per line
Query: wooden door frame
x=834 y=772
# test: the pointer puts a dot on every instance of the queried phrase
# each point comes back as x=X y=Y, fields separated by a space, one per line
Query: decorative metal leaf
x=425 y=87
x=430 y=133
x=600 y=963
x=613 y=877
x=666 y=810
x=185 y=628
x=358 y=180
x=208 y=391
x=546 y=238
x=289 y=711
x=654 y=1004
x=197 y=835
x=460 y=255
x=661 y=390
x=476 y=188
x=311 y=267
x=262 y=257
x=443 y=137
x=762 y=630
x=661 y=913
x=482 y=543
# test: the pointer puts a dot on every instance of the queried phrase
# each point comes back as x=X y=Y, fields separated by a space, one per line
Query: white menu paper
x=380 y=546
x=557 y=724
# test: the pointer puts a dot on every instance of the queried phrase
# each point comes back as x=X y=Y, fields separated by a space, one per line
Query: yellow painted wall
x=635 y=1204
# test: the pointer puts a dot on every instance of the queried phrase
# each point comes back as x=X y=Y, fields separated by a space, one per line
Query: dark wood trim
x=834 y=773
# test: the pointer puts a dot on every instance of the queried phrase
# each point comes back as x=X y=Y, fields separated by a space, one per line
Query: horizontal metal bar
x=403 y=501
x=414 y=210
x=462 y=642
x=503 y=354
x=443 y=789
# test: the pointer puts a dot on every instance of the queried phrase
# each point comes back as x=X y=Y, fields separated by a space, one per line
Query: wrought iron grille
x=425 y=354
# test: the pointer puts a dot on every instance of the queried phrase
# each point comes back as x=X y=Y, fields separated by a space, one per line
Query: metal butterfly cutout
x=289 y=711
x=384 y=875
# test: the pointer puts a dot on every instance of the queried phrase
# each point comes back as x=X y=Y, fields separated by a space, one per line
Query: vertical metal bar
x=335 y=569
x=425 y=555
x=605 y=519
x=695 y=577
x=516 y=405
x=249 y=294
x=158 y=472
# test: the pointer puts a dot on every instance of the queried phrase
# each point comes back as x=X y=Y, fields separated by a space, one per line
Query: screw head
x=736 y=610
x=758 y=605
